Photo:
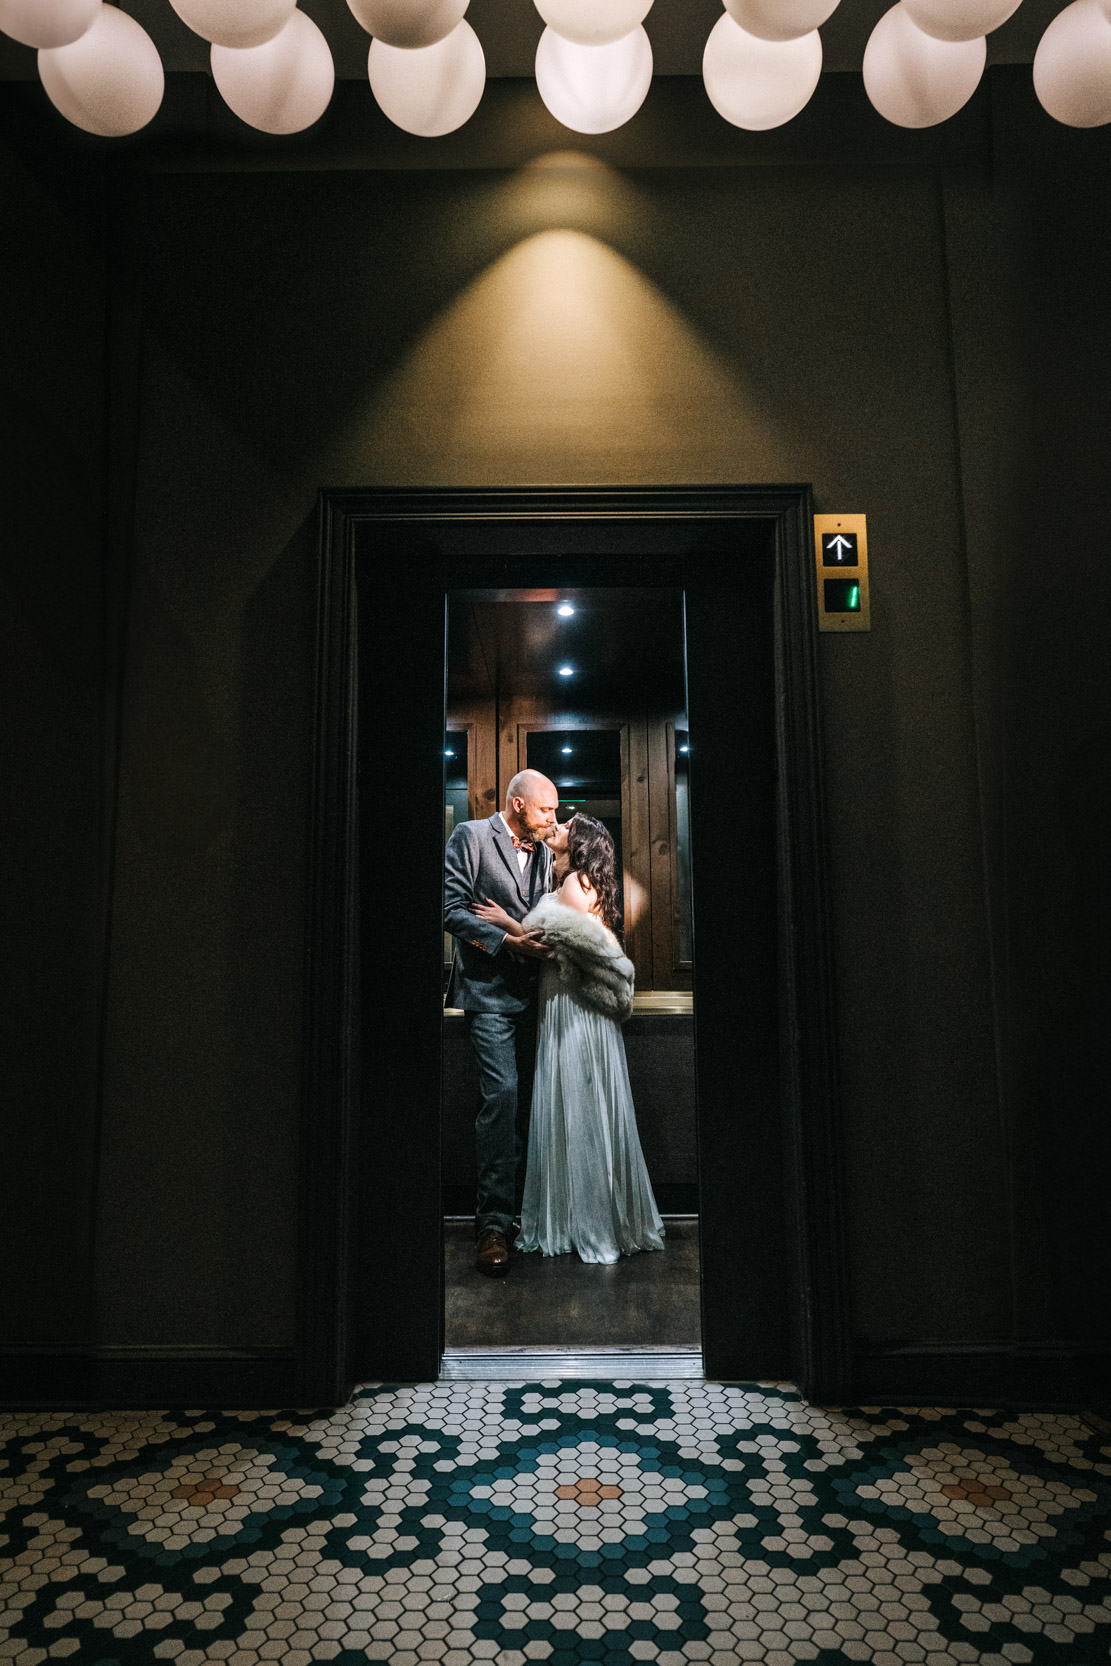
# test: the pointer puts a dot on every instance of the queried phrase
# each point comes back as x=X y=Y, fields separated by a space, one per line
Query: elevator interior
x=587 y=685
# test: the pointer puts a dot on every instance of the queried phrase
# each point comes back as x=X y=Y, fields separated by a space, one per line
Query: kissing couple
x=544 y=984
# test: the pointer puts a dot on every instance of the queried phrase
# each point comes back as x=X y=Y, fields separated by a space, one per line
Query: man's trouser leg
x=504 y=1045
x=526 y=1070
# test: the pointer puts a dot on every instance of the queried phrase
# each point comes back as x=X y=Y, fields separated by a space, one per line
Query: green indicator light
x=842 y=595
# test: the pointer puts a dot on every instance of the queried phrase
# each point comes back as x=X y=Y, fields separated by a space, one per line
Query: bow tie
x=522 y=844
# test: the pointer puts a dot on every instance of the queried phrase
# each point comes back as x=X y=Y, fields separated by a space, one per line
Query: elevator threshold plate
x=542 y=1364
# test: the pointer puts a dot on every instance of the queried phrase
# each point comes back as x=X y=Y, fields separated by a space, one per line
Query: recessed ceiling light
x=684 y=749
x=567 y=670
x=448 y=753
x=565 y=610
x=566 y=750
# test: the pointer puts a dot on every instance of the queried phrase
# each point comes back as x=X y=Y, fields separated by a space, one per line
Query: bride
x=586 y=1184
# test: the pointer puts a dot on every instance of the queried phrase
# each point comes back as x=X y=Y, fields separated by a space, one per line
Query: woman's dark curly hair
x=590 y=852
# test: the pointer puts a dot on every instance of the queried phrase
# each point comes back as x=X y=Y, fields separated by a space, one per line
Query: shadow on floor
x=646 y=1300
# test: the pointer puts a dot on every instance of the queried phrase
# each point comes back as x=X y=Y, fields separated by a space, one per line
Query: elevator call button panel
x=841 y=557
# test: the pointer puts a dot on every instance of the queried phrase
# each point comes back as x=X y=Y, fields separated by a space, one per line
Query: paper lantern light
x=408 y=23
x=781 y=19
x=430 y=90
x=593 y=89
x=47 y=23
x=915 y=80
x=1072 y=66
x=758 y=84
x=235 y=23
x=282 y=86
x=110 y=81
x=959 y=19
x=593 y=22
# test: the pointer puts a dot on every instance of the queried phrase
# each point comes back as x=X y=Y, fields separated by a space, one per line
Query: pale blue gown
x=586 y=1185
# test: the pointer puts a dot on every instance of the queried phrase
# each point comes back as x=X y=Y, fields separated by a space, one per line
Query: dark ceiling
x=510 y=29
x=625 y=647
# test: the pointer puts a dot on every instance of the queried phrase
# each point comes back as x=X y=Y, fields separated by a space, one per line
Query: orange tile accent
x=204 y=1489
x=981 y=1494
x=587 y=1492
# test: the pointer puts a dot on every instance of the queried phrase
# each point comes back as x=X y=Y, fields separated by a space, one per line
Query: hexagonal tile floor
x=564 y=1522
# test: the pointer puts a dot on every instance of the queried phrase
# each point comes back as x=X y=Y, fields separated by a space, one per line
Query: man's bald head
x=529 y=784
x=531 y=802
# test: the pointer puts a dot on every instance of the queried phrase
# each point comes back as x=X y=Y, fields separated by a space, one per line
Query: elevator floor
x=646 y=1300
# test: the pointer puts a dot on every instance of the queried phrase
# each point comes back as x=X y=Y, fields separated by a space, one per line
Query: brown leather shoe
x=491 y=1253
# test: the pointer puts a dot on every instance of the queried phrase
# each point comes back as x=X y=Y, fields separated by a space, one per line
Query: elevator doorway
x=588 y=686
x=770 y=1191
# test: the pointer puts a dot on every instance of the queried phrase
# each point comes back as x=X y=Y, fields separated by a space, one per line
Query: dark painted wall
x=925 y=341
x=52 y=652
x=1057 y=727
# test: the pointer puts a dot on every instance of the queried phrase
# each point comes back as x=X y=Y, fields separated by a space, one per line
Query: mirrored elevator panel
x=588 y=687
x=588 y=767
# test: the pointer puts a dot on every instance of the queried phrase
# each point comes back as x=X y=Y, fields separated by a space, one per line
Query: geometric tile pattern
x=561 y=1522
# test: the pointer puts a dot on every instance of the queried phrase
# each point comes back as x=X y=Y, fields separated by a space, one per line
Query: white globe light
x=47 y=23
x=593 y=22
x=959 y=19
x=915 y=80
x=408 y=23
x=429 y=90
x=593 y=89
x=282 y=86
x=237 y=23
x=757 y=84
x=1072 y=66
x=781 y=19
x=109 y=82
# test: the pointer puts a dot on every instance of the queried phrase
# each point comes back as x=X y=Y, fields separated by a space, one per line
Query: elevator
x=767 y=1138
x=587 y=685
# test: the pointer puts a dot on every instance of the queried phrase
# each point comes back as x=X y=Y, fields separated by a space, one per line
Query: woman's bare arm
x=495 y=916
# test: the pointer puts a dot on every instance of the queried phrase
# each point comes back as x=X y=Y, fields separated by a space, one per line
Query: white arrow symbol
x=838 y=544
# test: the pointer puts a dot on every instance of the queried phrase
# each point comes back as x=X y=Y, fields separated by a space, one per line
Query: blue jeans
x=505 y=1046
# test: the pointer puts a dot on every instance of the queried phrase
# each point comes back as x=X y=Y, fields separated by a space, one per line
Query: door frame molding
x=807 y=1021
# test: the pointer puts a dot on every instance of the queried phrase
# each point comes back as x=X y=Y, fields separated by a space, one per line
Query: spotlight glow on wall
x=593 y=89
x=1072 y=66
x=47 y=23
x=110 y=80
x=429 y=90
x=758 y=84
x=593 y=22
x=283 y=86
x=408 y=23
x=235 y=23
x=915 y=80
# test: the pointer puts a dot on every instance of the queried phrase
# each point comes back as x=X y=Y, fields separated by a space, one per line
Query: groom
x=493 y=979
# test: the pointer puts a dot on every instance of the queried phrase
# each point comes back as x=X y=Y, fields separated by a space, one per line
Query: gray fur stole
x=587 y=955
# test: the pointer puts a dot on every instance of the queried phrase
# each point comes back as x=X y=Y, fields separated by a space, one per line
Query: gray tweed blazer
x=480 y=862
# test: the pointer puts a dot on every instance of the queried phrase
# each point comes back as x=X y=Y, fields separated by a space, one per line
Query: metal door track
x=540 y=1364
